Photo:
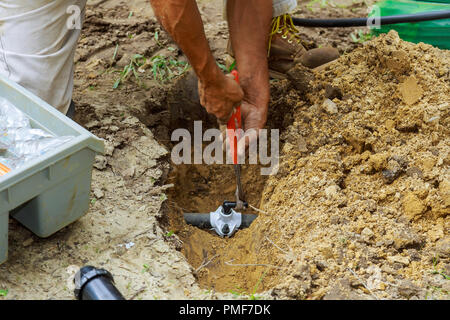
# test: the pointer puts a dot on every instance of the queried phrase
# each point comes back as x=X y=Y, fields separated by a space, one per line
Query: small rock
x=367 y=233
x=109 y=148
x=414 y=254
x=302 y=145
x=332 y=92
x=98 y=193
x=399 y=259
x=92 y=124
x=410 y=91
x=129 y=173
x=385 y=268
x=444 y=191
x=407 y=289
x=414 y=172
x=405 y=239
x=413 y=206
x=28 y=242
x=395 y=168
x=100 y=162
x=443 y=248
x=329 y=106
x=332 y=191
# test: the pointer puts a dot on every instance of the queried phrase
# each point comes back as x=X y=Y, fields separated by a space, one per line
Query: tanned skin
x=249 y=25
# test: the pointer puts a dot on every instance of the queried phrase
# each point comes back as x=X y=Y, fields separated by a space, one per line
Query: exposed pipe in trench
x=202 y=220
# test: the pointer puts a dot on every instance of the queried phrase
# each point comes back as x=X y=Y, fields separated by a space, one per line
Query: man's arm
x=182 y=20
x=249 y=23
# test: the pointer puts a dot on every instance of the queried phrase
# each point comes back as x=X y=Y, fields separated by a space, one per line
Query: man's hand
x=220 y=95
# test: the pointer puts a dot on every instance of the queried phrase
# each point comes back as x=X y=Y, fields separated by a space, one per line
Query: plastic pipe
x=95 y=284
x=363 y=22
x=202 y=220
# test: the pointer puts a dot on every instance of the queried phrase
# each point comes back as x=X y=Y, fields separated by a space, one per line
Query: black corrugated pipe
x=95 y=284
x=363 y=22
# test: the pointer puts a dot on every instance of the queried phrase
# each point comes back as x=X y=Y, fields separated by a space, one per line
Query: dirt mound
x=359 y=207
x=364 y=182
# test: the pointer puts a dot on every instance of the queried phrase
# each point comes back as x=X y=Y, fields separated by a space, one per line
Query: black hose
x=95 y=284
x=202 y=220
x=363 y=22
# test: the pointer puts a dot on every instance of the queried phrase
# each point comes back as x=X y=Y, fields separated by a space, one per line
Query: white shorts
x=37 y=46
x=280 y=7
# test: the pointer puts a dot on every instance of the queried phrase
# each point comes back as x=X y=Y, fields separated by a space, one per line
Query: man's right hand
x=220 y=95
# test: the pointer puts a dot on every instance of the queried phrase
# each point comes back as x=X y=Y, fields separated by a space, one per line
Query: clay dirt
x=358 y=208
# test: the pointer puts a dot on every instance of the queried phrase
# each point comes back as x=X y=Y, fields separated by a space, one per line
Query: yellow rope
x=286 y=26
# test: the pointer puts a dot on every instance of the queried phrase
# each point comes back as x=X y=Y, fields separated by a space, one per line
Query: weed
x=165 y=69
x=436 y=271
x=136 y=62
x=130 y=14
x=146 y=268
x=3 y=292
x=225 y=69
x=238 y=292
x=115 y=54
x=323 y=4
x=156 y=36
x=163 y=197
x=253 y=295
x=361 y=37
x=169 y=234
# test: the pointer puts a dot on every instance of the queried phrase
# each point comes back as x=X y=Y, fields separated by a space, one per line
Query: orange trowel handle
x=234 y=123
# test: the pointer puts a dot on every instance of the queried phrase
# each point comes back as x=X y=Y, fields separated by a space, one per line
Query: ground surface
x=358 y=209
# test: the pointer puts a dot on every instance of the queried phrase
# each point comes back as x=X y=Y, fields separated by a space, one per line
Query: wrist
x=209 y=73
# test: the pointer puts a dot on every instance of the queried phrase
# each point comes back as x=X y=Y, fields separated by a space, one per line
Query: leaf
x=117 y=83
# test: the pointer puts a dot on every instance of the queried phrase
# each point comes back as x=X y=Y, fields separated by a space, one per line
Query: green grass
x=131 y=69
x=146 y=268
x=238 y=292
x=225 y=69
x=165 y=69
x=323 y=4
x=436 y=271
x=169 y=234
x=361 y=36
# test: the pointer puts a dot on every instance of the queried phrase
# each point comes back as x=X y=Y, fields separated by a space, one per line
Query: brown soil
x=358 y=209
x=361 y=198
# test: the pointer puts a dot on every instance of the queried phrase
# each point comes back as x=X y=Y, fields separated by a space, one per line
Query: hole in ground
x=203 y=188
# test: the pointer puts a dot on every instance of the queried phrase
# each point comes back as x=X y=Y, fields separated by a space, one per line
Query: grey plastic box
x=51 y=191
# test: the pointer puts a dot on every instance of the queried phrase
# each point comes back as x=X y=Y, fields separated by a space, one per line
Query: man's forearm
x=249 y=24
x=182 y=20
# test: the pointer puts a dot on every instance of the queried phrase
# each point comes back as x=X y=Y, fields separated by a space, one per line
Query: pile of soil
x=359 y=207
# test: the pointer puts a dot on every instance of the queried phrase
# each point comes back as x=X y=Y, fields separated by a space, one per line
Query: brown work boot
x=286 y=49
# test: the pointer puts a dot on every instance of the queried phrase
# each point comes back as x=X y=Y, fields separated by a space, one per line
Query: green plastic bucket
x=435 y=32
